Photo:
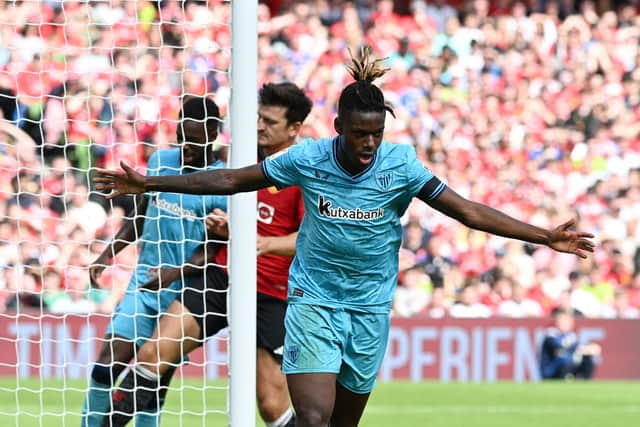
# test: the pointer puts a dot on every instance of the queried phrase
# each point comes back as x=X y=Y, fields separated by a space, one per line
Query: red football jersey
x=280 y=213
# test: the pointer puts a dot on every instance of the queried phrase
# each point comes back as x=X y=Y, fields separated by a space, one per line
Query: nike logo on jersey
x=325 y=209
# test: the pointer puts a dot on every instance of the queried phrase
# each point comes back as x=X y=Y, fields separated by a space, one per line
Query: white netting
x=86 y=84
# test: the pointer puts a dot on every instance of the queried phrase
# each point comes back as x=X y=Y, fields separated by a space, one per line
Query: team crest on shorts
x=293 y=352
x=384 y=180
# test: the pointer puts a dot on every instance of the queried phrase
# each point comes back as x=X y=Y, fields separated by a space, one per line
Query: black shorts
x=270 y=325
x=206 y=299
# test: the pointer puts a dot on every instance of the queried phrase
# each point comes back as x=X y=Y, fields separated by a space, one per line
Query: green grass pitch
x=400 y=404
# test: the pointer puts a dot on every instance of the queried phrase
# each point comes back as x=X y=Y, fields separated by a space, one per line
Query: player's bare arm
x=484 y=218
x=219 y=181
x=160 y=278
x=277 y=245
x=127 y=234
x=218 y=226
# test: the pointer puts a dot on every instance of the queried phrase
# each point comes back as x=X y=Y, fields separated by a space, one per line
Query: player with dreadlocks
x=355 y=188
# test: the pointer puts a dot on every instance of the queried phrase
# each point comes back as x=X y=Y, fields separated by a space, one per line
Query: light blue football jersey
x=174 y=227
x=348 y=243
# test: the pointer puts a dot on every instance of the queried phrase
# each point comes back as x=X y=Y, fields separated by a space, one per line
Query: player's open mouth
x=365 y=158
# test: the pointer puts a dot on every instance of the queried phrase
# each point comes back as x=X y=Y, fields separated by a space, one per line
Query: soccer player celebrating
x=355 y=188
x=200 y=312
x=170 y=231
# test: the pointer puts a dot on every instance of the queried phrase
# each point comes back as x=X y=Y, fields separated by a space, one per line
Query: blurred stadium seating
x=533 y=110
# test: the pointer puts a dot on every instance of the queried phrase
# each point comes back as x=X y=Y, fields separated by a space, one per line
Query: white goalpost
x=85 y=84
x=242 y=281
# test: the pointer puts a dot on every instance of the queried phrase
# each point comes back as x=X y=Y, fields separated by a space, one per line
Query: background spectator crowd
x=531 y=108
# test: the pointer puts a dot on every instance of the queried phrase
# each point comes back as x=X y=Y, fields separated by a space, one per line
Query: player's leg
x=115 y=354
x=312 y=358
x=271 y=384
x=117 y=350
x=272 y=392
x=177 y=334
x=146 y=326
x=150 y=417
x=141 y=389
x=313 y=396
x=362 y=358
x=202 y=313
x=348 y=407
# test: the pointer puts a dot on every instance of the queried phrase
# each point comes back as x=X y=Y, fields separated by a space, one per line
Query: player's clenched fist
x=217 y=224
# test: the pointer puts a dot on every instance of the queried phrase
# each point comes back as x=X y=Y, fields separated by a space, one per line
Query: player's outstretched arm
x=484 y=218
x=219 y=181
x=128 y=233
x=163 y=277
x=160 y=278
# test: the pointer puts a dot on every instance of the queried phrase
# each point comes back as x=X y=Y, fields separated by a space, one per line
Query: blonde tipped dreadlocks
x=367 y=68
x=362 y=95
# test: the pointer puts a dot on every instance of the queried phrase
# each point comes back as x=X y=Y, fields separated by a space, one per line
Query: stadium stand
x=533 y=110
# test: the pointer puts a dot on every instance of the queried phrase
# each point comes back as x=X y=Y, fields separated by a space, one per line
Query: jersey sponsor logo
x=325 y=209
x=174 y=208
x=384 y=180
x=266 y=213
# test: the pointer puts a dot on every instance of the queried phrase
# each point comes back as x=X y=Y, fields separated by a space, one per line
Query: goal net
x=86 y=84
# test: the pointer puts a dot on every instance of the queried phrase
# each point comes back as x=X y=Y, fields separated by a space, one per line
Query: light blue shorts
x=348 y=343
x=133 y=319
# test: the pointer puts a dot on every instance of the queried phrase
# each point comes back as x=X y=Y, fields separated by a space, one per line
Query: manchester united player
x=200 y=312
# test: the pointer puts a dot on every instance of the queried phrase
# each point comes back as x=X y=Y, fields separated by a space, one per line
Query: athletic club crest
x=384 y=180
x=293 y=352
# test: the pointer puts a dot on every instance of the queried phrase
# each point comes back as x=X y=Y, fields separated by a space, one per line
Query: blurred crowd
x=532 y=108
